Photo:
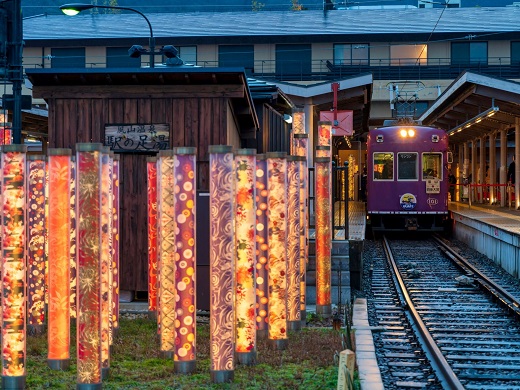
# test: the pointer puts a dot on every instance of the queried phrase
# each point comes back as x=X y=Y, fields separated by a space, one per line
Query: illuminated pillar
x=302 y=149
x=245 y=233
x=58 y=357
x=222 y=263
x=88 y=218
x=185 y=184
x=325 y=136
x=277 y=260
x=106 y=234
x=115 y=244
x=166 y=236
x=323 y=236
x=298 y=127
x=151 y=164
x=72 y=257
x=36 y=243
x=262 y=291
x=110 y=235
x=13 y=266
x=293 y=243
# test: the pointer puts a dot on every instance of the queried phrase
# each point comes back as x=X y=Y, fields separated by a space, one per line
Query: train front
x=407 y=170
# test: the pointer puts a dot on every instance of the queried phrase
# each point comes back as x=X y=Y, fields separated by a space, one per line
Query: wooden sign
x=137 y=138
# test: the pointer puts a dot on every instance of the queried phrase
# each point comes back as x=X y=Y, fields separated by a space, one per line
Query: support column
x=492 y=168
x=474 y=178
x=517 y=163
x=460 y=172
x=482 y=169
x=503 y=166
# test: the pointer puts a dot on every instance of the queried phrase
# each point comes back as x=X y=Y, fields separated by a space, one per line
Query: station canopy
x=473 y=106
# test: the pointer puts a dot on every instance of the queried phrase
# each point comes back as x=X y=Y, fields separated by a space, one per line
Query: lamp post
x=75 y=8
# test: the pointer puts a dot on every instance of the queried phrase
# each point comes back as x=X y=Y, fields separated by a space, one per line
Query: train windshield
x=432 y=166
x=383 y=166
x=407 y=166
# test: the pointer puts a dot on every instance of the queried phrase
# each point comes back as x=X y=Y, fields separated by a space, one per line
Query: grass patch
x=307 y=363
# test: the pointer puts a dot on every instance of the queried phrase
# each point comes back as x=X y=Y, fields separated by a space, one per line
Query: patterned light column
x=277 y=260
x=106 y=238
x=73 y=262
x=151 y=166
x=302 y=149
x=110 y=254
x=262 y=291
x=323 y=236
x=184 y=169
x=58 y=357
x=245 y=233
x=13 y=266
x=222 y=261
x=166 y=236
x=293 y=243
x=325 y=136
x=88 y=219
x=35 y=243
x=298 y=127
x=115 y=245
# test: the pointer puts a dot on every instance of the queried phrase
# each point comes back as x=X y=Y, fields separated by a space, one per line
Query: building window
x=117 y=57
x=351 y=54
x=188 y=54
x=408 y=55
x=466 y=53
x=515 y=52
x=383 y=166
x=293 y=60
x=407 y=166
x=233 y=56
x=73 y=57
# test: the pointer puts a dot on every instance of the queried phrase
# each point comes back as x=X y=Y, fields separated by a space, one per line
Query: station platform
x=492 y=230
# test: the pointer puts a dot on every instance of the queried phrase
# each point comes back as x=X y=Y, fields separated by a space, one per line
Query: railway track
x=444 y=329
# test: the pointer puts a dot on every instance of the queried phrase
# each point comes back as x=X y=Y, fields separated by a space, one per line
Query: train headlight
x=403 y=133
x=411 y=132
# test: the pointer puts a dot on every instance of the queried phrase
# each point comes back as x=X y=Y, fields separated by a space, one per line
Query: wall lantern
x=58 y=357
x=222 y=263
x=245 y=233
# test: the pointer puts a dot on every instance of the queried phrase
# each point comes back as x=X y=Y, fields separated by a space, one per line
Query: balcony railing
x=327 y=69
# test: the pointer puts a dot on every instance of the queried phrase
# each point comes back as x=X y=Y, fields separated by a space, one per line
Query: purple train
x=407 y=178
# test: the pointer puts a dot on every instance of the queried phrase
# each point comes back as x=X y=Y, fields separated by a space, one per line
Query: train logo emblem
x=408 y=201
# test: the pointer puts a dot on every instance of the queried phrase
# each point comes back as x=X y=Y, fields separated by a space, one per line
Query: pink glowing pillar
x=115 y=244
x=277 y=261
x=151 y=166
x=184 y=189
x=262 y=247
x=245 y=233
x=222 y=263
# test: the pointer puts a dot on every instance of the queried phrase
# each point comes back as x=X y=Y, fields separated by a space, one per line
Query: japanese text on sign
x=137 y=137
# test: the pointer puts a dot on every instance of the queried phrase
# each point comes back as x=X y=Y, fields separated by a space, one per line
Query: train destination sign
x=137 y=138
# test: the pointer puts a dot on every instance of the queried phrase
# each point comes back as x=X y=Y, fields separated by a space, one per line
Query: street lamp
x=135 y=51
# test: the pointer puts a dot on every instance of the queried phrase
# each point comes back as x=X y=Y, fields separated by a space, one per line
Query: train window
x=383 y=166
x=407 y=166
x=432 y=166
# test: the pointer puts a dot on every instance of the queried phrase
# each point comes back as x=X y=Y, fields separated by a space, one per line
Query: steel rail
x=445 y=374
x=495 y=289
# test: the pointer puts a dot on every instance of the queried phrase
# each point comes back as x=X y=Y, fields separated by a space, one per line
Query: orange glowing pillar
x=293 y=243
x=36 y=243
x=245 y=232
x=262 y=291
x=13 y=266
x=323 y=236
x=222 y=263
x=184 y=169
x=298 y=127
x=277 y=261
x=58 y=357
x=325 y=137
x=88 y=217
x=151 y=167
x=73 y=264
x=166 y=236
x=115 y=244
x=301 y=148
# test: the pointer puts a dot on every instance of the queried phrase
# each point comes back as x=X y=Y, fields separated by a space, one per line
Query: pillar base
x=115 y=332
x=222 y=376
x=184 y=367
x=34 y=330
x=246 y=358
x=324 y=310
x=58 y=364
x=152 y=315
x=167 y=354
x=13 y=382
x=89 y=386
x=104 y=372
x=303 y=316
x=294 y=325
x=262 y=334
x=279 y=345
